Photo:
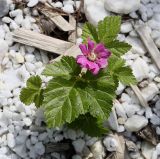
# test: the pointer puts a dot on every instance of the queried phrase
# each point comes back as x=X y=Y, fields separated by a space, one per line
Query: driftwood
x=57 y=147
x=148 y=134
x=132 y=148
x=58 y=20
x=142 y=101
x=72 y=36
x=120 y=152
x=149 y=43
x=41 y=41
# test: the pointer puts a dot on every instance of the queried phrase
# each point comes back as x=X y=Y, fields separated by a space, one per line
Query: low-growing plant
x=81 y=91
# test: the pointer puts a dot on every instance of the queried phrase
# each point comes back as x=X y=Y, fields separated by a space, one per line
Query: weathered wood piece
x=142 y=101
x=57 y=147
x=72 y=36
x=58 y=20
x=149 y=134
x=120 y=153
x=41 y=41
x=149 y=43
x=73 y=51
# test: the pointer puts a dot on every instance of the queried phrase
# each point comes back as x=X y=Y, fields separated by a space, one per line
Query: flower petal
x=84 y=49
x=95 y=69
x=105 y=54
x=83 y=61
x=102 y=62
x=90 y=45
x=99 y=48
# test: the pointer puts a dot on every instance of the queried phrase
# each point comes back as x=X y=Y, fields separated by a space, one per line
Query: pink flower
x=94 y=56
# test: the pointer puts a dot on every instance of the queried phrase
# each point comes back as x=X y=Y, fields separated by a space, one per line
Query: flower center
x=92 y=56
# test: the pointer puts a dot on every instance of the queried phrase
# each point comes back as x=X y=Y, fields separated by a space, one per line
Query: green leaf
x=118 y=48
x=126 y=76
x=89 y=31
x=64 y=100
x=102 y=94
x=118 y=69
x=109 y=28
x=33 y=92
x=65 y=68
x=89 y=125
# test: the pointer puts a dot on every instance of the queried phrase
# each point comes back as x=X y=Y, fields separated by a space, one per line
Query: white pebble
x=39 y=148
x=68 y=8
x=58 y=5
x=32 y=3
x=126 y=27
x=78 y=145
x=11 y=140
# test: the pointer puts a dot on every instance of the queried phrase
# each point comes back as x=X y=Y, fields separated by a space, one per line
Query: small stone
x=21 y=139
x=68 y=8
x=95 y=11
x=150 y=91
x=148 y=113
x=27 y=121
x=97 y=150
x=131 y=109
x=4 y=150
x=133 y=15
x=120 y=88
x=4 y=7
x=157 y=105
x=155 y=120
x=137 y=45
x=11 y=140
x=155 y=34
x=32 y=3
x=135 y=123
x=140 y=69
x=126 y=27
x=157 y=79
x=147 y=150
x=71 y=134
x=122 y=6
x=121 y=120
x=39 y=148
x=30 y=67
x=55 y=155
x=112 y=120
x=78 y=145
x=110 y=143
x=158 y=130
x=120 y=110
x=19 y=58
x=76 y=157
x=42 y=136
x=34 y=139
x=158 y=42
x=20 y=150
x=3 y=49
x=133 y=33
x=58 y=5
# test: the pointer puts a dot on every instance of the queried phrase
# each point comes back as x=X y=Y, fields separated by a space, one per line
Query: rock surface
x=3 y=49
x=94 y=11
x=4 y=7
x=135 y=123
x=122 y=6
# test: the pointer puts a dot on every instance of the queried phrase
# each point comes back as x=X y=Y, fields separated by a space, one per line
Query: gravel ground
x=22 y=130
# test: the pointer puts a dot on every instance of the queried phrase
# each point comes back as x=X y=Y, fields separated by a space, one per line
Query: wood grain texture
x=41 y=41
x=141 y=99
x=58 y=20
x=149 y=43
